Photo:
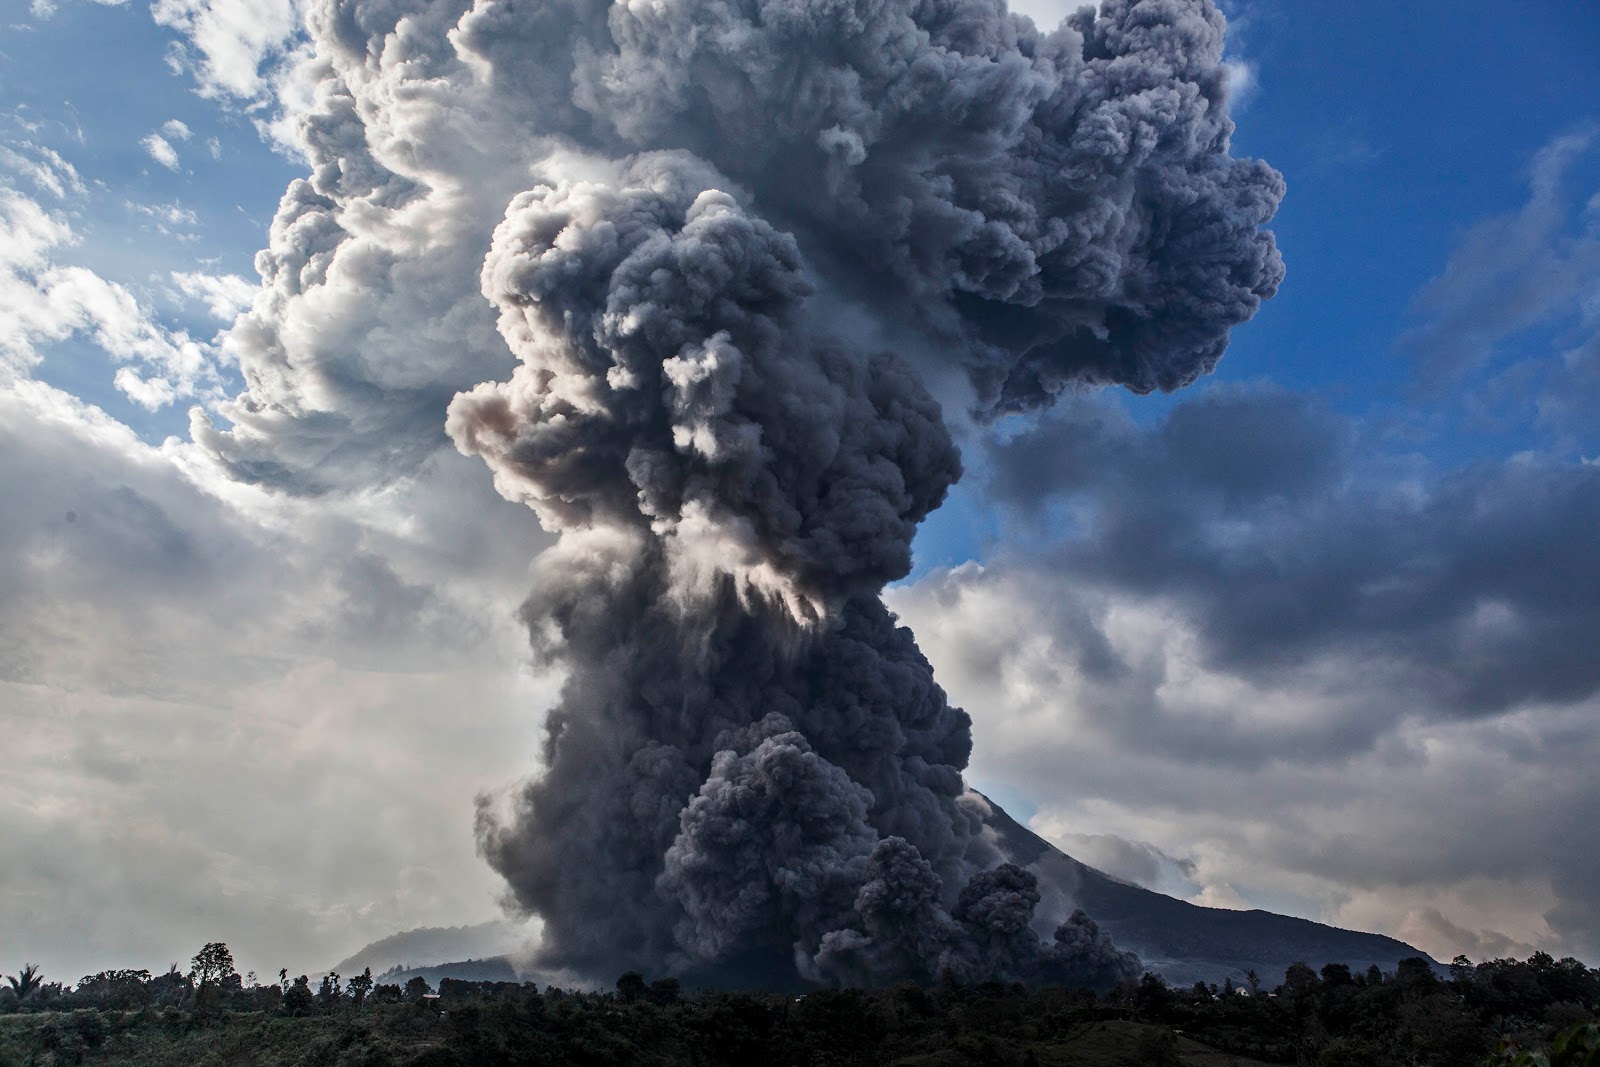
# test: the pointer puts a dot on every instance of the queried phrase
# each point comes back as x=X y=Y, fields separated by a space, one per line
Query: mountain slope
x=1186 y=942
x=495 y=969
x=432 y=945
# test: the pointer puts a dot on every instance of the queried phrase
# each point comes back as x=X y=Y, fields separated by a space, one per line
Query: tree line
x=211 y=984
x=1538 y=1012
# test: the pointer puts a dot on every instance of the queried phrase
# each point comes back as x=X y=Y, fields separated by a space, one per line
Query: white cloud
x=231 y=44
x=176 y=129
x=1225 y=896
x=1243 y=82
x=169 y=218
x=161 y=151
x=44 y=167
x=150 y=392
x=29 y=234
x=44 y=9
x=224 y=295
x=42 y=301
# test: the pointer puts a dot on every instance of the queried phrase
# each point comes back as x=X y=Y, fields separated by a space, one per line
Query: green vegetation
x=1504 y=1013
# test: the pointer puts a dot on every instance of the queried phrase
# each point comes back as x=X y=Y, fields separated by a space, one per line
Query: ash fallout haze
x=712 y=350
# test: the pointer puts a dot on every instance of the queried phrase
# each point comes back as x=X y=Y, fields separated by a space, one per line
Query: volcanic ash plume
x=729 y=212
x=751 y=764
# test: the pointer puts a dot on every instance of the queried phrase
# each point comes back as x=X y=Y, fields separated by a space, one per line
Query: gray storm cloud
x=751 y=772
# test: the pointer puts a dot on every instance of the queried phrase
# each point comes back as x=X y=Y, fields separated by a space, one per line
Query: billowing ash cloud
x=701 y=228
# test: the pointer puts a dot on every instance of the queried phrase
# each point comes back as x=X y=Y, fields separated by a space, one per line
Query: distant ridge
x=1185 y=942
x=497 y=969
x=431 y=946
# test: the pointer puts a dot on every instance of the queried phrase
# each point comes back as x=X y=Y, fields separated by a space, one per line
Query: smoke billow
x=751 y=772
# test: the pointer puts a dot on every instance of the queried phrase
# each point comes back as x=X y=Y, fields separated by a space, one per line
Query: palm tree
x=26 y=981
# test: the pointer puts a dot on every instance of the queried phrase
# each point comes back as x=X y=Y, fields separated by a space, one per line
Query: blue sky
x=1397 y=128
x=1425 y=378
x=92 y=82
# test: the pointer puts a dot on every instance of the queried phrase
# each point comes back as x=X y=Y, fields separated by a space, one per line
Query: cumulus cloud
x=229 y=45
x=224 y=295
x=46 y=301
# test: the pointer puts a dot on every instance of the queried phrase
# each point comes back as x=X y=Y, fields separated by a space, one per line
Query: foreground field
x=423 y=1039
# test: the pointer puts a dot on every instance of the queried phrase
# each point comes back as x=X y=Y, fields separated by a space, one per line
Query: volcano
x=1184 y=942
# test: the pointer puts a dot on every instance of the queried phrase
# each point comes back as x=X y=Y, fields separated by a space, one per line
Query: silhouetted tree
x=631 y=987
x=329 y=993
x=1300 y=985
x=171 y=989
x=26 y=982
x=1414 y=975
x=359 y=986
x=212 y=964
x=1335 y=975
x=212 y=973
x=298 y=998
x=1152 y=998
